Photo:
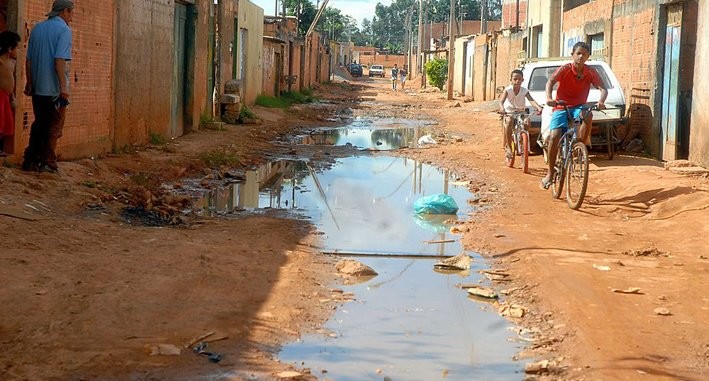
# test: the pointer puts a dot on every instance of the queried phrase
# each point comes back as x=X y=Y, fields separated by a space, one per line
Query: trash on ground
x=629 y=290
x=354 y=268
x=482 y=292
x=461 y=261
x=288 y=374
x=212 y=356
x=512 y=310
x=164 y=350
x=537 y=367
x=662 y=311
x=496 y=276
x=440 y=241
x=436 y=204
x=602 y=268
x=426 y=139
x=198 y=338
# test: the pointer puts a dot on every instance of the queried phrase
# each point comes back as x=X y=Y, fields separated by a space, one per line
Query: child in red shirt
x=575 y=80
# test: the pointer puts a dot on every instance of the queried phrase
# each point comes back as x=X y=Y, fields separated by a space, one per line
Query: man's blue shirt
x=49 y=40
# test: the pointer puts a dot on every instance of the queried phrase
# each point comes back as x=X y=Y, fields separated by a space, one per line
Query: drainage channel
x=410 y=322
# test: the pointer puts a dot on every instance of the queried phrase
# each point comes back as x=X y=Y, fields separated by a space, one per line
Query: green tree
x=437 y=72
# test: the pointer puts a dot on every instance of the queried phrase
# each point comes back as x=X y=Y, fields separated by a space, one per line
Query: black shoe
x=47 y=168
x=30 y=167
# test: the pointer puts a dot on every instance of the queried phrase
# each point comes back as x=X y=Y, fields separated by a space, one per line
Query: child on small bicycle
x=512 y=100
x=575 y=80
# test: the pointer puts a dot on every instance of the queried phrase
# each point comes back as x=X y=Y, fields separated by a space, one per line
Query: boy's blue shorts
x=560 y=120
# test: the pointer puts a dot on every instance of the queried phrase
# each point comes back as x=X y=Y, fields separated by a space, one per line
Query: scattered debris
x=426 y=140
x=646 y=252
x=662 y=311
x=196 y=339
x=496 y=275
x=630 y=290
x=538 y=367
x=512 y=310
x=482 y=292
x=288 y=374
x=461 y=261
x=602 y=268
x=164 y=350
x=354 y=268
x=440 y=241
x=212 y=356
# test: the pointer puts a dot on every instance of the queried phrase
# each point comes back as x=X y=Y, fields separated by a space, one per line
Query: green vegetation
x=217 y=158
x=437 y=72
x=286 y=99
x=157 y=139
x=386 y=30
x=245 y=113
x=141 y=179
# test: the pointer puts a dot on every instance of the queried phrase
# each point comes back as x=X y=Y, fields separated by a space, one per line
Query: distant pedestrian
x=402 y=77
x=8 y=60
x=394 y=76
x=48 y=53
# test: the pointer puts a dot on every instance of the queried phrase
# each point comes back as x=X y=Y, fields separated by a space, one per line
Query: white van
x=536 y=75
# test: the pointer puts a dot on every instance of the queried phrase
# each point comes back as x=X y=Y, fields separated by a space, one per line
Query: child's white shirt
x=515 y=102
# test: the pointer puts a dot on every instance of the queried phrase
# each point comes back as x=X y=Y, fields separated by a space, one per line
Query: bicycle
x=571 y=165
x=520 y=139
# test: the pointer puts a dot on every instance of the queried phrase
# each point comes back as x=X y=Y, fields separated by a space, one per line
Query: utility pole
x=451 y=50
x=419 y=51
x=407 y=23
x=483 y=16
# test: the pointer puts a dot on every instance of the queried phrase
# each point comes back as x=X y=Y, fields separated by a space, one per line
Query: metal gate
x=177 y=99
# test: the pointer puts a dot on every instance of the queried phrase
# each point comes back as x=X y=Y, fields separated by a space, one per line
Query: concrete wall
x=459 y=77
x=699 y=133
x=544 y=14
x=143 y=81
x=250 y=19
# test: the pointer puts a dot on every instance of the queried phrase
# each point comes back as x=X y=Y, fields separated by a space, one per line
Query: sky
x=359 y=9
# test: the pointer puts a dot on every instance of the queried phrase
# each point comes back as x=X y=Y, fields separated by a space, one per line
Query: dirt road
x=89 y=296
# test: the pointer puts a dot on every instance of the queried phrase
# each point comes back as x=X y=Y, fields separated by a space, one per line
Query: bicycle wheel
x=524 y=149
x=510 y=158
x=557 y=182
x=577 y=176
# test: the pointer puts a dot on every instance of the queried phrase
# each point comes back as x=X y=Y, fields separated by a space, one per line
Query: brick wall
x=509 y=13
x=633 y=61
x=509 y=47
x=88 y=123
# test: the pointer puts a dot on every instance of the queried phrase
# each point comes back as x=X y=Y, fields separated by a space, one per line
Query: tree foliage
x=387 y=28
x=437 y=72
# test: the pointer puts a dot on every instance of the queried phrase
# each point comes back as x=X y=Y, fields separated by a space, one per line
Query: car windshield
x=376 y=66
x=538 y=80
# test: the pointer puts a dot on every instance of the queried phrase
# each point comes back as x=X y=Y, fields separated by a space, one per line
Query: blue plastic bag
x=435 y=204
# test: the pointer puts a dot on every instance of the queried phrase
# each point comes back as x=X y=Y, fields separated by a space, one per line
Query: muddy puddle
x=409 y=322
x=369 y=134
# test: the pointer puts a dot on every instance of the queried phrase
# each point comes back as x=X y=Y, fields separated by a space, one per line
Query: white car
x=376 y=70
x=536 y=75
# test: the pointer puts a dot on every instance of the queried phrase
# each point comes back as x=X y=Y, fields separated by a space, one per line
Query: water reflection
x=367 y=134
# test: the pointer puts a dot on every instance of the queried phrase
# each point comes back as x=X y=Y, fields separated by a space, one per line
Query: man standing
x=48 y=53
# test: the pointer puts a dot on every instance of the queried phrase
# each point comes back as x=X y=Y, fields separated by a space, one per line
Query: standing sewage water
x=410 y=322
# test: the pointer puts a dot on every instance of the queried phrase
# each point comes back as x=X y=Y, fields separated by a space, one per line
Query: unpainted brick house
x=142 y=69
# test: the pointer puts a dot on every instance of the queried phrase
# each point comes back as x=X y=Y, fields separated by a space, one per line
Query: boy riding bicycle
x=511 y=100
x=575 y=80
